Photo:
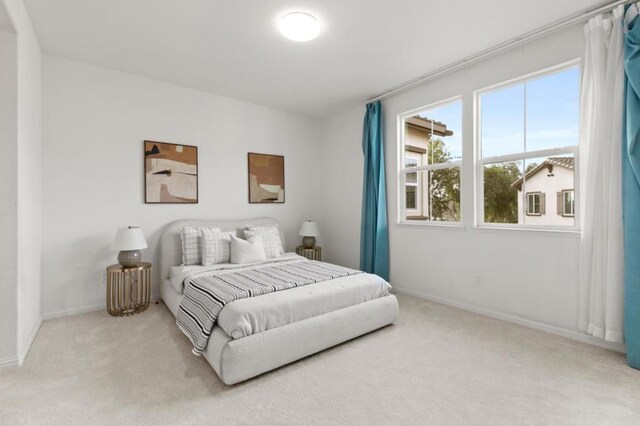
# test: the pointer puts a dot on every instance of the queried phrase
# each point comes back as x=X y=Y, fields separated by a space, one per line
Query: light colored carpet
x=437 y=365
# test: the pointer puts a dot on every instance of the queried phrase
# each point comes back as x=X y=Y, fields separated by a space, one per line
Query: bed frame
x=240 y=359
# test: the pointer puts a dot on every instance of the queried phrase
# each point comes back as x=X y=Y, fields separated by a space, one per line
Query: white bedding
x=178 y=274
x=253 y=315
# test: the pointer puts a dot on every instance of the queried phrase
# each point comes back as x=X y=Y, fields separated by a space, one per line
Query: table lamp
x=129 y=241
x=309 y=232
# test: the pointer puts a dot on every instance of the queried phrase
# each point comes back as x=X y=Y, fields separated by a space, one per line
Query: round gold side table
x=128 y=289
x=314 y=253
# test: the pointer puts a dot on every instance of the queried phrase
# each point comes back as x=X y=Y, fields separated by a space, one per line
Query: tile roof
x=566 y=162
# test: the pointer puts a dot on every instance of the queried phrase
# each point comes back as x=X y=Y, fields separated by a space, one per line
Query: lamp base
x=308 y=242
x=129 y=258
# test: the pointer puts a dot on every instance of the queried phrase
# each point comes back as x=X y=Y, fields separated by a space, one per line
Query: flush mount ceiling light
x=299 y=26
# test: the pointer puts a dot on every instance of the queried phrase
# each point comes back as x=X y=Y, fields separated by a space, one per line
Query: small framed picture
x=170 y=173
x=266 y=178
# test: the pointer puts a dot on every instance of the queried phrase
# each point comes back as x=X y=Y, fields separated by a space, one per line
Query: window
x=535 y=203
x=567 y=202
x=411 y=182
x=527 y=135
x=431 y=156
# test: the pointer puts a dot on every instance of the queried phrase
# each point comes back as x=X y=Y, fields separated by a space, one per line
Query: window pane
x=445 y=194
x=437 y=196
x=532 y=208
x=549 y=177
x=411 y=197
x=500 y=191
x=553 y=109
x=437 y=132
x=502 y=121
x=411 y=160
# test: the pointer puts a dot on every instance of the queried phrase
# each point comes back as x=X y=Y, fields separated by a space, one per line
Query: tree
x=445 y=184
x=500 y=197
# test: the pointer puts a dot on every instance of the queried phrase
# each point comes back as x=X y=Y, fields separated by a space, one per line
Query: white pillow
x=245 y=251
x=216 y=247
x=192 y=244
x=270 y=235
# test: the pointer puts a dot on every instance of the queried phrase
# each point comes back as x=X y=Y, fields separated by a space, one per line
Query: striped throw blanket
x=205 y=296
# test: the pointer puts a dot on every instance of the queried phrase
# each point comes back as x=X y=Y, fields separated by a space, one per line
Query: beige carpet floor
x=437 y=365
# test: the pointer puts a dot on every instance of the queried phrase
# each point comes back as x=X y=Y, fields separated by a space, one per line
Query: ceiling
x=232 y=47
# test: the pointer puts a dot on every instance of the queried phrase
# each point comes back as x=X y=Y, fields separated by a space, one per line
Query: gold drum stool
x=128 y=289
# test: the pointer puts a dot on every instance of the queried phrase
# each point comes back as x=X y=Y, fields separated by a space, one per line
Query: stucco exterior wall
x=561 y=179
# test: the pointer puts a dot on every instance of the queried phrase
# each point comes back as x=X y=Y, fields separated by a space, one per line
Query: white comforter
x=253 y=315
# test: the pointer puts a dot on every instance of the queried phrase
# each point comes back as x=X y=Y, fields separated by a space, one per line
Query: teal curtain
x=374 y=232
x=631 y=194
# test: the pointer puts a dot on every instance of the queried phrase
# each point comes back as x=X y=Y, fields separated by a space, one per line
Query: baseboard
x=558 y=331
x=72 y=311
x=9 y=362
x=32 y=336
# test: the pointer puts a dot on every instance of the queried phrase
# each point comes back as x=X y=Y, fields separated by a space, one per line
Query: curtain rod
x=510 y=44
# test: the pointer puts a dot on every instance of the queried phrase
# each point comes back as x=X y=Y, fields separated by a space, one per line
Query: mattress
x=253 y=315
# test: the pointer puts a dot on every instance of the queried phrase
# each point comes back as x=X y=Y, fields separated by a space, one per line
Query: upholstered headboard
x=171 y=246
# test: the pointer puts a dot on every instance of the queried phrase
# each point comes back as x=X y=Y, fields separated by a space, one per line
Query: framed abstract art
x=266 y=178
x=170 y=173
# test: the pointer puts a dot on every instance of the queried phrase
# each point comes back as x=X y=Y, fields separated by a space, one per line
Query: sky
x=552 y=116
x=451 y=115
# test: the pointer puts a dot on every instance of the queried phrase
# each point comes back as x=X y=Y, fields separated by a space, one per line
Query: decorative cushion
x=192 y=244
x=216 y=247
x=270 y=235
x=245 y=251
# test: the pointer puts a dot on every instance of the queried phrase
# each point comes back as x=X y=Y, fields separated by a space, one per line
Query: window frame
x=480 y=162
x=403 y=171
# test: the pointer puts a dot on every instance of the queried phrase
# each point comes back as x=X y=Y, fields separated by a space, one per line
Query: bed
x=261 y=333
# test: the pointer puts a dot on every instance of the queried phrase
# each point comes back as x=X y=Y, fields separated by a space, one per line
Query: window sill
x=427 y=224
x=569 y=233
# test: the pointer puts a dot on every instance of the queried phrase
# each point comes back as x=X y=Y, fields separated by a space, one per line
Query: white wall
x=29 y=179
x=8 y=197
x=21 y=232
x=342 y=187
x=525 y=275
x=94 y=124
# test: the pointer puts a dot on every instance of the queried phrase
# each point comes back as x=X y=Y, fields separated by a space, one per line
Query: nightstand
x=128 y=289
x=314 y=253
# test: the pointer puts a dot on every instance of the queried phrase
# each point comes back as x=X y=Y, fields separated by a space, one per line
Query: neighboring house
x=549 y=197
x=418 y=132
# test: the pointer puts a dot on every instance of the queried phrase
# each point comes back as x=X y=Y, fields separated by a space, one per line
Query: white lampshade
x=309 y=228
x=130 y=238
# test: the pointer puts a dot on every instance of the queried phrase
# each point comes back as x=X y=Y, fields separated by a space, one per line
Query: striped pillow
x=270 y=235
x=216 y=247
x=192 y=244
